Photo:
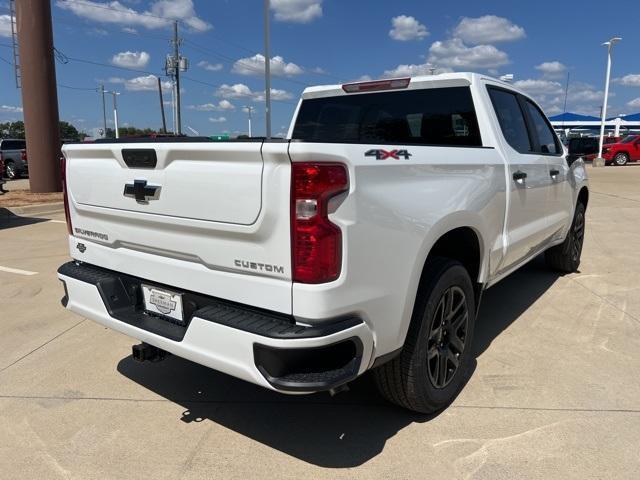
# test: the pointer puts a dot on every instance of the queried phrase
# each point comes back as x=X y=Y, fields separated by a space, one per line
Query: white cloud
x=582 y=98
x=131 y=59
x=553 y=69
x=276 y=95
x=255 y=66
x=148 y=83
x=222 y=105
x=239 y=90
x=159 y=15
x=487 y=29
x=414 y=70
x=631 y=80
x=635 y=103
x=586 y=94
x=10 y=109
x=5 y=25
x=455 y=54
x=539 y=87
x=407 y=28
x=217 y=119
x=211 y=67
x=225 y=105
x=297 y=11
x=133 y=31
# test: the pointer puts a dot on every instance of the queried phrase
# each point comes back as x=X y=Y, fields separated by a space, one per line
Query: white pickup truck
x=361 y=242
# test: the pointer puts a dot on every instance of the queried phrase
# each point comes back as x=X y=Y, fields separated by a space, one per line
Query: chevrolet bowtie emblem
x=140 y=190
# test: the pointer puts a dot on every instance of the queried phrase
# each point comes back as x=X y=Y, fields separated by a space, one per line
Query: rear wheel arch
x=462 y=244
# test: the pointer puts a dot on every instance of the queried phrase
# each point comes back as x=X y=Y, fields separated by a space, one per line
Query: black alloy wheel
x=447 y=337
x=577 y=235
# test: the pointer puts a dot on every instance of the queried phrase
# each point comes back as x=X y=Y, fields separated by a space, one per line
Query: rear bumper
x=258 y=346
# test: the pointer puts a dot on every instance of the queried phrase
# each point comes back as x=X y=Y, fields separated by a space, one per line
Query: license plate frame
x=161 y=301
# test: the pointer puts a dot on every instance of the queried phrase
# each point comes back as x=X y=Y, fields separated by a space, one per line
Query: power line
x=133 y=13
x=194 y=44
x=107 y=65
x=217 y=86
x=108 y=28
x=204 y=49
x=95 y=89
x=240 y=62
x=6 y=61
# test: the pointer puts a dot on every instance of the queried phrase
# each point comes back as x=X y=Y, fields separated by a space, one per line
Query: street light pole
x=176 y=56
x=599 y=161
x=267 y=69
x=249 y=109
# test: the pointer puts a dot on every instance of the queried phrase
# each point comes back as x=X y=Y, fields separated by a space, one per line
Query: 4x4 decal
x=386 y=154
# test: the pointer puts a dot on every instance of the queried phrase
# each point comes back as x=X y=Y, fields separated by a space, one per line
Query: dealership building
x=573 y=124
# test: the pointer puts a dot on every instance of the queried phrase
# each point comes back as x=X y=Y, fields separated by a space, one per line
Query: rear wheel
x=566 y=256
x=437 y=353
x=621 y=159
x=10 y=171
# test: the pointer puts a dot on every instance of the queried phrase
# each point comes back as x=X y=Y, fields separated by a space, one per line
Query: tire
x=621 y=159
x=413 y=380
x=10 y=171
x=565 y=257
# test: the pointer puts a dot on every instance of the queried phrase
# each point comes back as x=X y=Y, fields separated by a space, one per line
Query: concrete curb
x=40 y=209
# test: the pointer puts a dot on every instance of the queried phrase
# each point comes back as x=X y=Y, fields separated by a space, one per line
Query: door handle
x=519 y=176
x=554 y=172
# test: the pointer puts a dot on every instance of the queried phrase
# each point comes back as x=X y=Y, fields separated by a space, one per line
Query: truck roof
x=454 y=79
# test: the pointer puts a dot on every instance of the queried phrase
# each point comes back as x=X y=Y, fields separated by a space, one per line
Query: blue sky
x=319 y=42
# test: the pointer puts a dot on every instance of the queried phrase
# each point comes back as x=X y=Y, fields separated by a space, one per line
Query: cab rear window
x=435 y=116
x=14 y=145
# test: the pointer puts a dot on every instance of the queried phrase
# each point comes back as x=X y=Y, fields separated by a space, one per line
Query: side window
x=511 y=118
x=546 y=136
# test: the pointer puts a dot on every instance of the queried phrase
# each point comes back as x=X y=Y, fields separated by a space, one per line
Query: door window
x=547 y=140
x=511 y=118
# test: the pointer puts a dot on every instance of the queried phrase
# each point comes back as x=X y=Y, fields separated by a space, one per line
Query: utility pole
x=39 y=94
x=249 y=110
x=164 y=121
x=115 y=111
x=104 y=113
x=267 y=67
x=176 y=56
x=173 y=66
x=14 y=42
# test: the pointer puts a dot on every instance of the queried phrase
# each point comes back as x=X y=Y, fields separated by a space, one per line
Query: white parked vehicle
x=361 y=242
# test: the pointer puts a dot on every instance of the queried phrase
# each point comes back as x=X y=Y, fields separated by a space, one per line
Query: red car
x=623 y=152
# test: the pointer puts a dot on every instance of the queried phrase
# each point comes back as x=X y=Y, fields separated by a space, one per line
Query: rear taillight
x=23 y=155
x=65 y=193
x=316 y=242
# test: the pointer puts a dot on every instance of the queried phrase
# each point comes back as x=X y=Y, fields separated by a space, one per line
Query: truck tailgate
x=212 y=218
x=217 y=185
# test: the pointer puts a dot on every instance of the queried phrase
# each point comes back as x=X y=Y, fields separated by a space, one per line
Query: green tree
x=69 y=132
x=12 y=129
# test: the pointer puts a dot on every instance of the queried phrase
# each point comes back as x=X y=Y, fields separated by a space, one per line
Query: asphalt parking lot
x=555 y=392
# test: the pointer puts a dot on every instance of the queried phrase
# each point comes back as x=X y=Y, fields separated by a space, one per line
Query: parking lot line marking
x=17 y=271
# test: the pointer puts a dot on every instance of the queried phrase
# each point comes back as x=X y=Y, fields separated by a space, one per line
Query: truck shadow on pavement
x=10 y=220
x=340 y=432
